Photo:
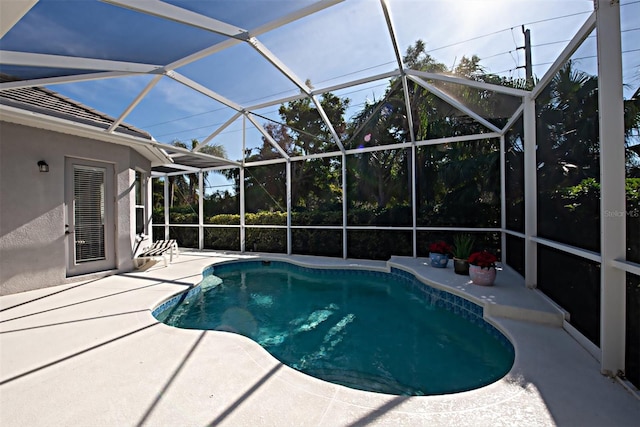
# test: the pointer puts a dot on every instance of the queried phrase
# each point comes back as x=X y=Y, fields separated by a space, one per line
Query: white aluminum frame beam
x=266 y=162
x=461 y=138
x=612 y=183
x=266 y=135
x=401 y=145
x=324 y=90
x=221 y=99
x=278 y=101
x=200 y=210
x=530 y=194
x=513 y=119
x=573 y=250
x=466 y=82
x=460 y=106
x=183 y=16
x=243 y=226
x=179 y=151
x=64 y=79
x=392 y=34
x=135 y=102
x=414 y=198
x=405 y=86
x=221 y=168
x=241 y=177
x=297 y=158
x=407 y=102
x=565 y=55
x=176 y=156
x=345 y=205
x=294 y=16
x=217 y=132
x=375 y=110
x=316 y=156
x=327 y=122
x=352 y=83
x=12 y=13
x=28 y=59
x=185 y=169
x=280 y=66
x=628 y=266
x=289 y=190
x=218 y=47
x=166 y=208
x=158 y=174
x=204 y=90
x=503 y=198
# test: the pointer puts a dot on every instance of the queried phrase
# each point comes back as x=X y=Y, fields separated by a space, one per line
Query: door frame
x=75 y=268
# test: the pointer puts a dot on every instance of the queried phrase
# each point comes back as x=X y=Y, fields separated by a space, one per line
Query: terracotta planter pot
x=461 y=266
x=439 y=260
x=482 y=276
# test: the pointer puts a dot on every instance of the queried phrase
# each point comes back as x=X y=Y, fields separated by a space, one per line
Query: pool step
x=552 y=318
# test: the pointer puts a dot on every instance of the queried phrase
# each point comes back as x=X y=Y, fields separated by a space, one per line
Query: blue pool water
x=382 y=332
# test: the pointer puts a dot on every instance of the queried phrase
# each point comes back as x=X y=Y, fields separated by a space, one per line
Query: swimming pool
x=376 y=331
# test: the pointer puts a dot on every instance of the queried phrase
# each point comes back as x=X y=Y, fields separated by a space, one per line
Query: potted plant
x=462 y=247
x=439 y=254
x=482 y=268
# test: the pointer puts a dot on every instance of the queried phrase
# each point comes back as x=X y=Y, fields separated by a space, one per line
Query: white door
x=90 y=227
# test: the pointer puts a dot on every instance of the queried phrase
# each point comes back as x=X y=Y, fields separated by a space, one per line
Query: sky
x=345 y=42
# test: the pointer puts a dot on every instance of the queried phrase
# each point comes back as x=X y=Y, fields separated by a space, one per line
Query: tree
x=568 y=156
x=632 y=134
x=184 y=188
x=301 y=132
x=567 y=129
x=377 y=177
x=418 y=59
x=459 y=183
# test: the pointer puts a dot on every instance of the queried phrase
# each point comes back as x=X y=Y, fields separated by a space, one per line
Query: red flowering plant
x=483 y=259
x=440 y=247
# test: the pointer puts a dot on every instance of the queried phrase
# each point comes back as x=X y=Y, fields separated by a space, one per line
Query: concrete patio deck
x=91 y=354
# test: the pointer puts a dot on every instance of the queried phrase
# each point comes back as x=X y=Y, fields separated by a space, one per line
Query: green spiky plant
x=463 y=245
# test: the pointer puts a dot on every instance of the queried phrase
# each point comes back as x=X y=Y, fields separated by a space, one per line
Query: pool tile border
x=176 y=299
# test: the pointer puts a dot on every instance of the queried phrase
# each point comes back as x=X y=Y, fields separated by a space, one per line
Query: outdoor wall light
x=43 y=166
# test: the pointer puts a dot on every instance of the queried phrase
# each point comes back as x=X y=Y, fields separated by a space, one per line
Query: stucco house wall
x=33 y=244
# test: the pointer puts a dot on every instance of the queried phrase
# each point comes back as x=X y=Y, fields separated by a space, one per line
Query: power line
x=507 y=52
x=180 y=131
x=515 y=61
x=182 y=118
x=358 y=71
x=260 y=115
x=507 y=29
x=550 y=43
x=573 y=59
x=558 y=17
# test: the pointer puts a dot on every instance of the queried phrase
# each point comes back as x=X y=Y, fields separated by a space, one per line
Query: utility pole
x=528 y=68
